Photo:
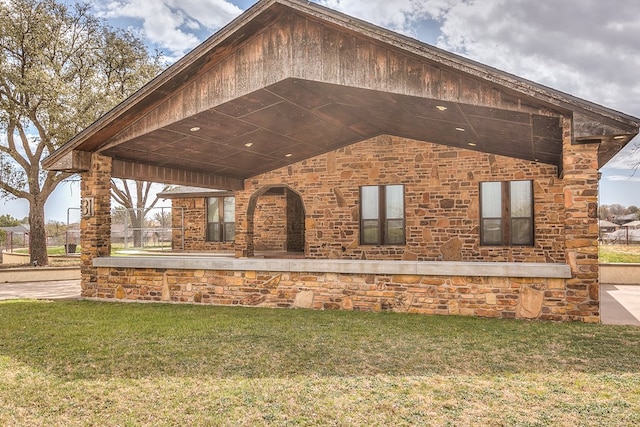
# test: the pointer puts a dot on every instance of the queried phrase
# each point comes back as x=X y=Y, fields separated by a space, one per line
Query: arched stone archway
x=276 y=220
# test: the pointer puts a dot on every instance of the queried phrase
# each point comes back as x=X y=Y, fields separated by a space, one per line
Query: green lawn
x=90 y=363
x=619 y=253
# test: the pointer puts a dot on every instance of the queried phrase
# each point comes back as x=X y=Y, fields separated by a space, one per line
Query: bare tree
x=60 y=69
x=138 y=198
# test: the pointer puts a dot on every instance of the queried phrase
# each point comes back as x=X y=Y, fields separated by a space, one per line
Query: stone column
x=95 y=225
x=580 y=175
x=245 y=210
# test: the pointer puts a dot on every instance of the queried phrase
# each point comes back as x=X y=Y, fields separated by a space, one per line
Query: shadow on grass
x=73 y=340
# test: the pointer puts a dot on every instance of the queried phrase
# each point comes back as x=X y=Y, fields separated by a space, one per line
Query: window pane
x=395 y=201
x=395 y=232
x=213 y=213
x=520 y=199
x=491 y=199
x=370 y=231
x=229 y=231
x=492 y=231
x=521 y=231
x=213 y=231
x=370 y=202
x=229 y=214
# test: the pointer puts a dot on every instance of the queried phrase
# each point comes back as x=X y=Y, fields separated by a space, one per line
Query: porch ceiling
x=297 y=119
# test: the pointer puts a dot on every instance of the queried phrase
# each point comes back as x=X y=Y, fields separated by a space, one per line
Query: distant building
x=623 y=219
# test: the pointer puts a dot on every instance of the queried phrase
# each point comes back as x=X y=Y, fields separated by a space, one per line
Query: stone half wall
x=501 y=297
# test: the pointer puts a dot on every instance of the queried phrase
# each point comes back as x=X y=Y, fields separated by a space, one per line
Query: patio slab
x=620 y=304
x=52 y=290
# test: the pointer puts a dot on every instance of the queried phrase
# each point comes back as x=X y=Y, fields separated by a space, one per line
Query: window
x=382 y=215
x=221 y=219
x=506 y=217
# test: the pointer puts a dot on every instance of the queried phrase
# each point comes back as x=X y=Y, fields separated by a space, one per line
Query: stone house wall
x=441 y=197
x=270 y=230
x=194 y=212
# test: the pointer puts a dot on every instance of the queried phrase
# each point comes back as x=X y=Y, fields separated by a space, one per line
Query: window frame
x=222 y=234
x=382 y=226
x=506 y=216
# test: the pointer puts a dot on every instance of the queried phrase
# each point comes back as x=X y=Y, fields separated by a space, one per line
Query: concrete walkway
x=619 y=304
x=54 y=290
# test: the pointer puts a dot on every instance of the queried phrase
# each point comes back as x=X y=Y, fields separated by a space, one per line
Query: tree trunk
x=137 y=217
x=37 y=234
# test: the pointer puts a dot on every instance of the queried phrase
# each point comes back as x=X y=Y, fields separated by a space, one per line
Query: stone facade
x=441 y=201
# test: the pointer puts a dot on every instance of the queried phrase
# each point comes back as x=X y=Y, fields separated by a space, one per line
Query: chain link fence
x=149 y=229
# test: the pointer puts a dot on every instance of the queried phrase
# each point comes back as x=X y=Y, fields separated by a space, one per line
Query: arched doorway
x=275 y=222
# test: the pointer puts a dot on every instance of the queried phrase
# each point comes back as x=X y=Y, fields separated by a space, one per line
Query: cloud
x=174 y=26
x=584 y=47
x=626 y=178
x=627 y=159
x=402 y=16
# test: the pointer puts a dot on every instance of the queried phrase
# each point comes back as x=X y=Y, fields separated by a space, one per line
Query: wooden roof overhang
x=289 y=80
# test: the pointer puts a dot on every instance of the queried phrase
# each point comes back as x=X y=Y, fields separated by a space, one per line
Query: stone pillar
x=245 y=210
x=95 y=225
x=580 y=176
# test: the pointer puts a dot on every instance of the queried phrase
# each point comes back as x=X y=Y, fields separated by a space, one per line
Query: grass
x=51 y=250
x=619 y=253
x=91 y=363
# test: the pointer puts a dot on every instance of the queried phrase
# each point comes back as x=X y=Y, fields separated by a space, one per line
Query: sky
x=588 y=48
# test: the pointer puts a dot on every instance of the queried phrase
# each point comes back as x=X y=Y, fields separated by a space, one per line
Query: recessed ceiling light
x=288 y=155
x=248 y=144
x=194 y=129
x=441 y=107
x=471 y=144
x=460 y=129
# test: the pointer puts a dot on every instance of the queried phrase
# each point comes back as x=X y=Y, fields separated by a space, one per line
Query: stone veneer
x=505 y=297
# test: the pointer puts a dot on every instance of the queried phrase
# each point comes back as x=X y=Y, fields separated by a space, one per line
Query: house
x=625 y=219
x=606 y=229
x=396 y=176
x=633 y=225
x=607 y=226
x=628 y=234
x=16 y=236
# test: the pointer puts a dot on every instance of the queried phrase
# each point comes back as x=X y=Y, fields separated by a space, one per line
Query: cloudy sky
x=588 y=48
